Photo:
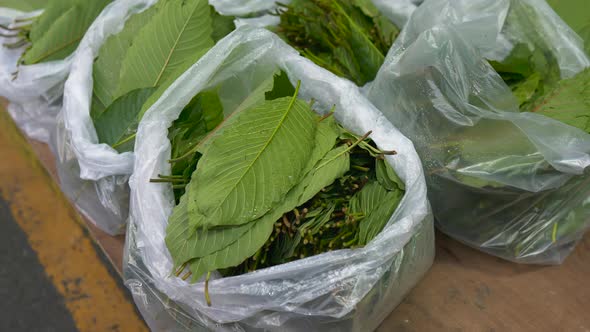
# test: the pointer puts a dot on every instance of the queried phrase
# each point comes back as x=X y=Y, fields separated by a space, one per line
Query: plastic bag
x=34 y=91
x=345 y=290
x=512 y=184
x=398 y=11
x=95 y=171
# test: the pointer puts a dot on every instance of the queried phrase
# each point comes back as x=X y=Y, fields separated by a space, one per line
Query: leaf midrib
x=173 y=49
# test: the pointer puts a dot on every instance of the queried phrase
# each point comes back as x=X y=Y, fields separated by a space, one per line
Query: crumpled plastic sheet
x=101 y=171
x=345 y=290
x=438 y=88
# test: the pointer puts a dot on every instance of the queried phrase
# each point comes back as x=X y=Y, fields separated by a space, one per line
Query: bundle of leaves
x=135 y=66
x=532 y=72
x=272 y=183
x=348 y=37
x=56 y=33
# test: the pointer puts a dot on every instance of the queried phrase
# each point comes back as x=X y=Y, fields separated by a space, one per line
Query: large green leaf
x=251 y=163
x=568 y=102
x=60 y=29
x=119 y=119
x=107 y=68
x=176 y=36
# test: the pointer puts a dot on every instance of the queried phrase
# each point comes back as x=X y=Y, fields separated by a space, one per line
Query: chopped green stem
x=180 y=269
x=186 y=275
x=360 y=168
x=207 y=297
x=329 y=114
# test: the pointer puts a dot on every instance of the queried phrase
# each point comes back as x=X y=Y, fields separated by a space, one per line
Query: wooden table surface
x=466 y=290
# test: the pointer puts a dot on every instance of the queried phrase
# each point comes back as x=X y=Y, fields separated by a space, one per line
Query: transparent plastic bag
x=94 y=175
x=345 y=290
x=515 y=185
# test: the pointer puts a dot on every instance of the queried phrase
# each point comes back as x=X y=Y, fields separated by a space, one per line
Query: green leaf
x=183 y=247
x=526 y=89
x=387 y=177
x=367 y=7
x=333 y=166
x=571 y=11
x=60 y=28
x=222 y=247
x=251 y=163
x=120 y=120
x=174 y=39
x=203 y=114
x=368 y=56
x=377 y=205
x=107 y=67
x=222 y=25
x=237 y=252
x=24 y=5
x=51 y=12
x=568 y=102
x=584 y=33
x=282 y=87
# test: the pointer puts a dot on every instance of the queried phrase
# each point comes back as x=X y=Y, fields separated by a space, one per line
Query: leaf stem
x=347 y=150
x=207 y=297
x=127 y=139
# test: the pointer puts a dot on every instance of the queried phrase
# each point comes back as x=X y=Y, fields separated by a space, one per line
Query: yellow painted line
x=91 y=293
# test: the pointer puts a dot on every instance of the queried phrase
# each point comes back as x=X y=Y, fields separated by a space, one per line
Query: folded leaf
x=387 y=176
x=183 y=247
x=234 y=254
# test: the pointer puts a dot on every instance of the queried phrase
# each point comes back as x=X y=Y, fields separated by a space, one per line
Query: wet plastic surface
x=511 y=184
